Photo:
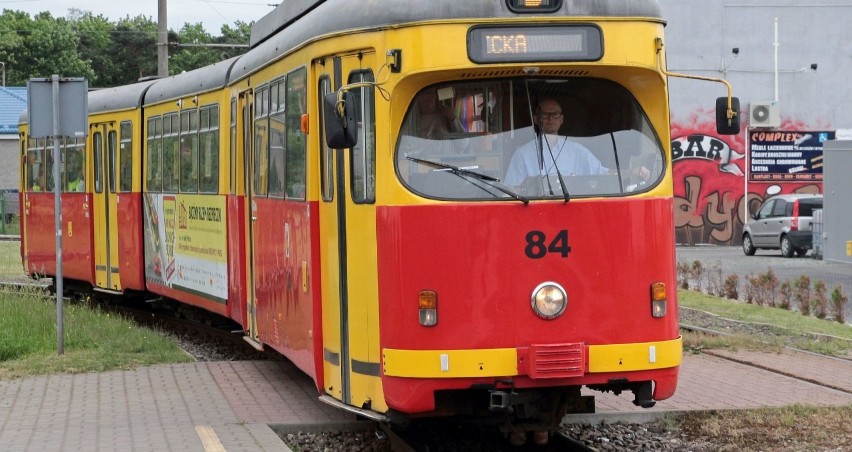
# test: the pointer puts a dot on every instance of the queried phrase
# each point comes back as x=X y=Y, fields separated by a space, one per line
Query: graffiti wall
x=710 y=177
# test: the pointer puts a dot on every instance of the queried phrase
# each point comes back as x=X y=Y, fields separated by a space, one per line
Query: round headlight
x=549 y=300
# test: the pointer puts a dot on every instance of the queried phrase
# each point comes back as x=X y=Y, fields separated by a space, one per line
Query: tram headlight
x=428 y=302
x=549 y=300
x=658 y=300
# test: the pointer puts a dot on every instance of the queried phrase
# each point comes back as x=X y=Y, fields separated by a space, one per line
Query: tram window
x=260 y=167
x=35 y=165
x=113 y=158
x=296 y=106
x=63 y=148
x=494 y=129
x=154 y=178
x=170 y=153
x=208 y=138
x=277 y=130
x=48 y=168
x=98 y=145
x=125 y=157
x=364 y=153
x=277 y=136
x=188 y=160
x=74 y=159
x=232 y=154
x=326 y=154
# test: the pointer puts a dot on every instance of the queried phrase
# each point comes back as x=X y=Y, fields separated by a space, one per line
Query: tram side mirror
x=725 y=125
x=341 y=132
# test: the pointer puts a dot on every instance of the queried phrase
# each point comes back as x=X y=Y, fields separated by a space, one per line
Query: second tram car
x=431 y=208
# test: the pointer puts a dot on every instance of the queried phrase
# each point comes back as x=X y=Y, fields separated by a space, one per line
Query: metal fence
x=818 y=229
x=9 y=213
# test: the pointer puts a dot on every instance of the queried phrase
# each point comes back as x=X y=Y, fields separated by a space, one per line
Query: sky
x=211 y=13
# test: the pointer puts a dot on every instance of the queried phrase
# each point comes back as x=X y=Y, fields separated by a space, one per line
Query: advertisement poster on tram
x=786 y=156
x=185 y=244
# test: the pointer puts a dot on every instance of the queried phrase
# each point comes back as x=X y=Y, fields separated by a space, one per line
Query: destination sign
x=531 y=43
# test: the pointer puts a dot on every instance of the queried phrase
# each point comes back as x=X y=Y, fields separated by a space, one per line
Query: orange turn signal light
x=428 y=312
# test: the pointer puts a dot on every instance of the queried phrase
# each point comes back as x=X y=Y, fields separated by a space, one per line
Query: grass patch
x=10 y=260
x=760 y=328
x=737 y=310
x=95 y=341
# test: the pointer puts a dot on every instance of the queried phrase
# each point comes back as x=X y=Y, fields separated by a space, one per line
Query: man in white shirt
x=548 y=149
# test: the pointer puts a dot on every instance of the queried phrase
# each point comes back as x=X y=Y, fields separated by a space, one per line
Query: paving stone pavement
x=227 y=406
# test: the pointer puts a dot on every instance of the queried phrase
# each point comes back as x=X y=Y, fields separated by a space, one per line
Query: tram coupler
x=643 y=395
x=500 y=401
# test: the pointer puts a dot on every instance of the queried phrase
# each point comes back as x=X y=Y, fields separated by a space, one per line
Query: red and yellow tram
x=346 y=192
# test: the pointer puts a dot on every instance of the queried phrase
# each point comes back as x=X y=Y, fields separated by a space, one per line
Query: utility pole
x=162 y=40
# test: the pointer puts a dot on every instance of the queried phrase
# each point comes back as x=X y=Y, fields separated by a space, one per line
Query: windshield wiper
x=488 y=180
x=565 y=195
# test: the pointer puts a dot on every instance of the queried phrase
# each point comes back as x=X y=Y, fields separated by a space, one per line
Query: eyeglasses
x=550 y=115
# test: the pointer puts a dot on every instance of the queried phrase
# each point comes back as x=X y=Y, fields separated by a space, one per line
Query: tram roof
x=197 y=81
x=119 y=97
x=295 y=22
x=388 y=12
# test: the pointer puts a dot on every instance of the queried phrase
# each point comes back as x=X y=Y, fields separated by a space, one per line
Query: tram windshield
x=521 y=139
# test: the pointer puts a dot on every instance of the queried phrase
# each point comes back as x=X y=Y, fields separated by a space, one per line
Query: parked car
x=782 y=223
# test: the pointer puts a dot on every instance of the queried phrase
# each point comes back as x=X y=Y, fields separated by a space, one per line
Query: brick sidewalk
x=226 y=406
x=713 y=382
x=185 y=407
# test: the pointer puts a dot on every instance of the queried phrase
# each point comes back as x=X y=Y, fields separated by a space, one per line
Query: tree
x=107 y=54
x=193 y=55
x=95 y=33
x=135 y=43
x=14 y=26
x=240 y=34
x=51 y=48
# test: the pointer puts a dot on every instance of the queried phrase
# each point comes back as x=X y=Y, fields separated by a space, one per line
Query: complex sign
x=780 y=155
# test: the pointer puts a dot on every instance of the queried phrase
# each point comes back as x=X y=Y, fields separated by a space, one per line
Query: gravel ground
x=452 y=437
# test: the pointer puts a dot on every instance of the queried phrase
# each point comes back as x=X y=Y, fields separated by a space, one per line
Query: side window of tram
x=113 y=159
x=261 y=142
x=170 y=153
x=296 y=106
x=277 y=139
x=125 y=157
x=208 y=138
x=326 y=154
x=364 y=152
x=98 y=145
x=153 y=178
x=188 y=159
x=74 y=158
x=35 y=165
x=232 y=139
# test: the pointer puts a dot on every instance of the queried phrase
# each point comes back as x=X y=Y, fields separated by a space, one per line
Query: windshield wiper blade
x=463 y=171
x=454 y=168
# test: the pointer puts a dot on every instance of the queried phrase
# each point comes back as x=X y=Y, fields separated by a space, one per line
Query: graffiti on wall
x=709 y=186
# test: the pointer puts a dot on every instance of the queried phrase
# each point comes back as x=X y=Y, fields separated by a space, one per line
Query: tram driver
x=549 y=151
x=542 y=155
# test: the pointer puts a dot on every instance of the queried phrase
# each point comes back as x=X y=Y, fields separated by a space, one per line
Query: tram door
x=246 y=110
x=104 y=138
x=351 y=355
